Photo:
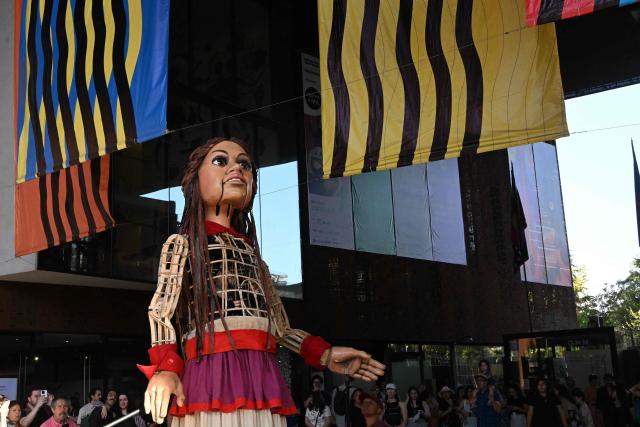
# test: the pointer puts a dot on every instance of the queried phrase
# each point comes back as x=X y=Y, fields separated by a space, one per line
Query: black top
x=545 y=410
x=413 y=410
x=393 y=413
x=355 y=419
x=95 y=419
x=43 y=414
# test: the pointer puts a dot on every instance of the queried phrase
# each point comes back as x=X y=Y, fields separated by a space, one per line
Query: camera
x=44 y=393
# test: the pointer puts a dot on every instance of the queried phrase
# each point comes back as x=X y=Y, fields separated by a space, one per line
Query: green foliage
x=586 y=305
x=618 y=303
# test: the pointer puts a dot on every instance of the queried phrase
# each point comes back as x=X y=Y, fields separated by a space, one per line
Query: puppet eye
x=245 y=164
x=219 y=161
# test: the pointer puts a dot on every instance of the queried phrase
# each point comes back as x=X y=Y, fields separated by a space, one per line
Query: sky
x=596 y=172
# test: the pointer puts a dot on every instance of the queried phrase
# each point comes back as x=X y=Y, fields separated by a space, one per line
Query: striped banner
x=406 y=82
x=544 y=11
x=91 y=78
x=62 y=206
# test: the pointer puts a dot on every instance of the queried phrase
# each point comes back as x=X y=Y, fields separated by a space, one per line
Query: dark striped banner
x=544 y=11
x=62 y=206
x=91 y=78
x=412 y=81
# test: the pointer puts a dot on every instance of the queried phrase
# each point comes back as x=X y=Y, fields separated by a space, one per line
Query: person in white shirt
x=94 y=401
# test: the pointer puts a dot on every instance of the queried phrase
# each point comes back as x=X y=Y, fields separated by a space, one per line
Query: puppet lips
x=235 y=180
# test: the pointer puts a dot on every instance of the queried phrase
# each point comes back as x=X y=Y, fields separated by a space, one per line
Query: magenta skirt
x=228 y=381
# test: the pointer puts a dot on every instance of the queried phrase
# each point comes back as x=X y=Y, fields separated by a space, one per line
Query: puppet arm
x=163 y=351
x=315 y=351
x=311 y=348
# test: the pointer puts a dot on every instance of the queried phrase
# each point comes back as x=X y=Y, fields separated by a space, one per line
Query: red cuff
x=163 y=358
x=312 y=349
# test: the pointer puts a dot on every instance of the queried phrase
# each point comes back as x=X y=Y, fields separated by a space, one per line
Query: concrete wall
x=9 y=264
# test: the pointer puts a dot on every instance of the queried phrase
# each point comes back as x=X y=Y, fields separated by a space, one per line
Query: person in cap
x=488 y=404
x=447 y=413
x=395 y=412
x=372 y=409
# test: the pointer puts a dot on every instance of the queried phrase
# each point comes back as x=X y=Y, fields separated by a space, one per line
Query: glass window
x=277 y=213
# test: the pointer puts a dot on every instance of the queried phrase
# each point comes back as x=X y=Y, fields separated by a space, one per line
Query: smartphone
x=44 y=393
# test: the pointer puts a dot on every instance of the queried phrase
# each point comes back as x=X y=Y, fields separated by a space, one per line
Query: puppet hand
x=156 y=399
x=355 y=363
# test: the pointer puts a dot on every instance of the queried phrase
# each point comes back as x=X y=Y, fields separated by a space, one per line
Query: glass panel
x=554 y=234
x=411 y=212
x=277 y=213
x=445 y=204
x=373 y=213
x=522 y=162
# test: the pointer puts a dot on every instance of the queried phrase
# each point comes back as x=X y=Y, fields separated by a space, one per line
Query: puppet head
x=221 y=179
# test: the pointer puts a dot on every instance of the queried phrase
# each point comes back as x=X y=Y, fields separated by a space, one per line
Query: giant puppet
x=228 y=314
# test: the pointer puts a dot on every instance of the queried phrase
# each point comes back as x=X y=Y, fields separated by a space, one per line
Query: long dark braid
x=193 y=226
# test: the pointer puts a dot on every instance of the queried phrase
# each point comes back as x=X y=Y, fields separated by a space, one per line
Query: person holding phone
x=37 y=409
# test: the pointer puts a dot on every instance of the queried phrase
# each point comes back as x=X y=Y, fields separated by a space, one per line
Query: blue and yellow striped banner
x=91 y=79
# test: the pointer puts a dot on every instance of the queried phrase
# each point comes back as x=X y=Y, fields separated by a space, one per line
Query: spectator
x=571 y=384
x=317 y=384
x=123 y=410
x=487 y=403
x=103 y=415
x=417 y=410
x=584 y=412
x=516 y=407
x=432 y=403
x=60 y=417
x=447 y=414
x=317 y=413
x=14 y=415
x=355 y=418
x=611 y=402
x=340 y=403
x=591 y=398
x=372 y=409
x=545 y=409
x=95 y=394
x=484 y=367
x=466 y=408
x=568 y=407
x=37 y=409
x=395 y=412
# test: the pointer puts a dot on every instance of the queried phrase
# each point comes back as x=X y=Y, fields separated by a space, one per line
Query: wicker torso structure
x=242 y=296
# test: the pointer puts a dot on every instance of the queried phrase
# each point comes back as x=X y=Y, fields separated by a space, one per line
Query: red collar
x=214 y=228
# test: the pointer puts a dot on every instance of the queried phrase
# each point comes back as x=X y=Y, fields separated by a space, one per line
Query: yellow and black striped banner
x=411 y=81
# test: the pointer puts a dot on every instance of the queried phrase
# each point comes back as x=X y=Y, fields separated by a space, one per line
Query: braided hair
x=199 y=284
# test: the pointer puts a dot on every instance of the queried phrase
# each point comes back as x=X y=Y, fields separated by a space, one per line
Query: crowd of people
x=486 y=403
x=42 y=409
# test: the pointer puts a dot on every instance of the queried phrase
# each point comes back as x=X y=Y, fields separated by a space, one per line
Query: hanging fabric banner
x=407 y=82
x=541 y=12
x=62 y=206
x=90 y=78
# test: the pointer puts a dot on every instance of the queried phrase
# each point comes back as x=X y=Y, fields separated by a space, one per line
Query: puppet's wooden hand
x=355 y=363
x=156 y=399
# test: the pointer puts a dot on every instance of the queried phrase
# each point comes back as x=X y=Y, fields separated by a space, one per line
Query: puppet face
x=225 y=177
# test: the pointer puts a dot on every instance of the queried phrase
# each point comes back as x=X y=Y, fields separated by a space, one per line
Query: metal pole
x=126 y=417
x=84 y=377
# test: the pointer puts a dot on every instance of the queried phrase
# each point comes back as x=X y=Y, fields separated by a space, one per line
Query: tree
x=620 y=302
x=586 y=305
